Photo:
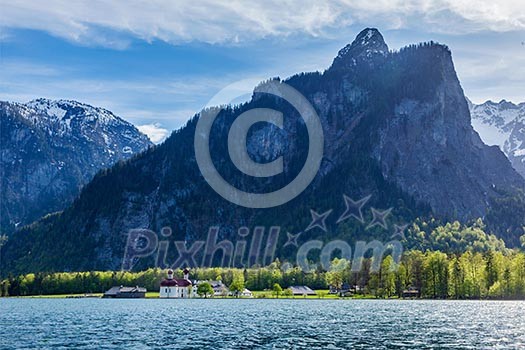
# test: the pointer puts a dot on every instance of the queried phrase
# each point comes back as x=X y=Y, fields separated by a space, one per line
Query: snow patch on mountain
x=502 y=124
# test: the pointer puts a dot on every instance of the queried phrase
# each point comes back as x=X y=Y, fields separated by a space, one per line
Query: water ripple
x=260 y=324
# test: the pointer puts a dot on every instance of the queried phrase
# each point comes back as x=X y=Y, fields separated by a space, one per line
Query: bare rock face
x=428 y=147
x=50 y=149
x=396 y=125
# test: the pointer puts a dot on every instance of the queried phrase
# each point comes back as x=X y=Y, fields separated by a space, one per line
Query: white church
x=176 y=287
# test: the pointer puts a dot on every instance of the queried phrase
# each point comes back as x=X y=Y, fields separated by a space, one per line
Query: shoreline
x=155 y=297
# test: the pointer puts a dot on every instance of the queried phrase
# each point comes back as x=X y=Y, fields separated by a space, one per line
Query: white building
x=219 y=288
x=246 y=293
x=171 y=287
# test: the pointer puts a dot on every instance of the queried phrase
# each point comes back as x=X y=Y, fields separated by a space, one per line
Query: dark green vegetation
x=437 y=275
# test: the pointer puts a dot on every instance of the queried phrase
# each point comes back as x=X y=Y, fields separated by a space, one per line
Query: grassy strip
x=63 y=296
x=263 y=294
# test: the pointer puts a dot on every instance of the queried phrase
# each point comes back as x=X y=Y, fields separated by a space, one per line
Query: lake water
x=260 y=324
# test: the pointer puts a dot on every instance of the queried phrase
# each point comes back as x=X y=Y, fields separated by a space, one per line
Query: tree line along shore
x=433 y=274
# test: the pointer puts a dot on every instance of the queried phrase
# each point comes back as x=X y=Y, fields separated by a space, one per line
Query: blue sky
x=157 y=63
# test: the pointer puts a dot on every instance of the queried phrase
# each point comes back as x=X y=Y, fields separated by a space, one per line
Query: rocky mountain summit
x=366 y=45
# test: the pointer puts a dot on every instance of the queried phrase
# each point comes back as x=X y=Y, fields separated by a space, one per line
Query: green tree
x=204 y=289
x=518 y=274
x=493 y=268
x=287 y=292
x=387 y=277
x=277 y=290
x=412 y=272
x=237 y=285
x=457 y=279
x=337 y=273
x=474 y=266
x=496 y=290
x=436 y=275
x=507 y=282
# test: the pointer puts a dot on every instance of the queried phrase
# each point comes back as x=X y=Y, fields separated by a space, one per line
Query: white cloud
x=155 y=132
x=109 y=23
x=11 y=68
x=168 y=100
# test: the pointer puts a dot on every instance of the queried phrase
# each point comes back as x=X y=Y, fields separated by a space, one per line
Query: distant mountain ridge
x=51 y=148
x=502 y=124
x=396 y=127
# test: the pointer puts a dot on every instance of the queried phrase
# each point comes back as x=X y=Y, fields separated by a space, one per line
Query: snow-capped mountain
x=49 y=149
x=502 y=124
x=66 y=119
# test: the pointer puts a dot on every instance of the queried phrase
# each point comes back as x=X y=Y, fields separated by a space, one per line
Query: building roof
x=182 y=282
x=410 y=291
x=302 y=290
x=213 y=284
x=217 y=284
x=121 y=289
x=168 y=283
x=175 y=282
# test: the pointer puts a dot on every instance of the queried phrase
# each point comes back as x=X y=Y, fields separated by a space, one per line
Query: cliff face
x=396 y=125
x=428 y=146
x=420 y=122
x=50 y=149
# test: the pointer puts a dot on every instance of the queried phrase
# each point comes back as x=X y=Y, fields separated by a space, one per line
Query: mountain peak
x=62 y=110
x=369 y=36
x=503 y=104
x=368 y=43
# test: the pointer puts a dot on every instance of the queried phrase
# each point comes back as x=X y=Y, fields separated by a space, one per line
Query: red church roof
x=168 y=283
x=181 y=282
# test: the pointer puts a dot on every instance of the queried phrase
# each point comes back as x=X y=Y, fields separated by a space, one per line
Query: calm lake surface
x=260 y=324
